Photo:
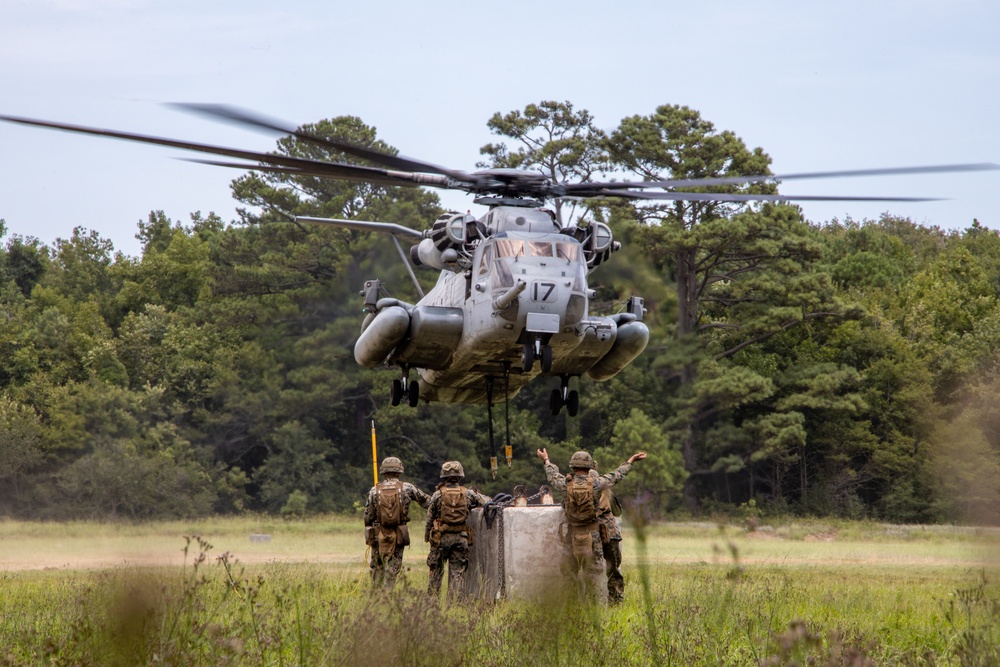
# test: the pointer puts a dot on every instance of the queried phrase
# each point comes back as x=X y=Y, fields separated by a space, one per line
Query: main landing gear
x=559 y=398
x=404 y=387
x=564 y=397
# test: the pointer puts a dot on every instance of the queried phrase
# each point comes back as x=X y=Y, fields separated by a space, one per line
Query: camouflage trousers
x=386 y=569
x=454 y=550
x=612 y=550
x=586 y=570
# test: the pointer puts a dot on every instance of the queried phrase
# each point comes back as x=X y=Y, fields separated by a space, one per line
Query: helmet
x=452 y=469
x=581 y=460
x=391 y=464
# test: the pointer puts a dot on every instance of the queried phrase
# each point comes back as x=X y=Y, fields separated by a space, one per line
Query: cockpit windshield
x=509 y=248
x=568 y=251
x=518 y=248
x=539 y=248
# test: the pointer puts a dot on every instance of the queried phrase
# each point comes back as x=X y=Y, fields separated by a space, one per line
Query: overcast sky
x=819 y=86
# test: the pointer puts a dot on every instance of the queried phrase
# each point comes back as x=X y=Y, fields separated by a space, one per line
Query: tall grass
x=214 y=610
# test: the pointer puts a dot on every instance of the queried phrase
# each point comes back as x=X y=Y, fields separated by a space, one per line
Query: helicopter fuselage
x=476 y=335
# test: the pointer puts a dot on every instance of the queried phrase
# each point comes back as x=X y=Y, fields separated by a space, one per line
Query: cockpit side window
x=580 y=280
x=487 y=260
x=503 y=278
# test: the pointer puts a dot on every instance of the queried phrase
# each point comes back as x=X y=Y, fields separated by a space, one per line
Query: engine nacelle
x=426 y=253
x=446 y=242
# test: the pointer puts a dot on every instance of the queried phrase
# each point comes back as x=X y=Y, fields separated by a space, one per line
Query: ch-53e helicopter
x=511 y=301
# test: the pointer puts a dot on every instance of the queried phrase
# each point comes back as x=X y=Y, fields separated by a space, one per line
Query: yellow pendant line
x=374 y=455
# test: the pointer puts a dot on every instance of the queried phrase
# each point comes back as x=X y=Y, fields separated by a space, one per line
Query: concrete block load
x=520 y=556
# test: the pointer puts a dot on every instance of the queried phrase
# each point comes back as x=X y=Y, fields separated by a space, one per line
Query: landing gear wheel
x=527 y=358
x=573 y=403
x=396 y=394
x=546 y=358
x=555 y=402
x=413 y=393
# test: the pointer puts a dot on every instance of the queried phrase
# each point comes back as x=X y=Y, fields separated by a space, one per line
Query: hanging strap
x=489 y=414
x=506 y=414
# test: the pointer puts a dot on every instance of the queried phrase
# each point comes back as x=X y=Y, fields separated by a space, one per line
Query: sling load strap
x=508 y=451
x=489 y=415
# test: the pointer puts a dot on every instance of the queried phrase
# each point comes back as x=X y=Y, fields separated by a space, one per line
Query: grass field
x=810 y=592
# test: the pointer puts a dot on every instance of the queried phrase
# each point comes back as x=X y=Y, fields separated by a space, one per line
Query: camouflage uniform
x=385 y=569
x=611 y=544
x=606 y=558
x=452 y=547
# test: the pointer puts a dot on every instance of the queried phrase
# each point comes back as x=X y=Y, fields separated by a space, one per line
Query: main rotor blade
x=730 y=197
x=303 y=165
x=244 y=117
x=323 y=172
x=762 y=178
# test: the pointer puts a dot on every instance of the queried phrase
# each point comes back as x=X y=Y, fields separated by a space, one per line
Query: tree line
x=845 y=368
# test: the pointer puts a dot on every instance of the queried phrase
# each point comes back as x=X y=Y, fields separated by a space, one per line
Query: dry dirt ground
x=81 y=553
x=79 y=549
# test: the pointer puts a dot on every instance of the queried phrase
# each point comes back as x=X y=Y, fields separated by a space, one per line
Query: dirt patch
x=828 y=536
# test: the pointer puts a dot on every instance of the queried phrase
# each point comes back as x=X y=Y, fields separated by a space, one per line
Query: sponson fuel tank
x=630 y=340
x=424 y=337
x=381 y=335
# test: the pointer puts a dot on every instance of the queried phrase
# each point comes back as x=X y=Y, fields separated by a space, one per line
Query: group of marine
x=592 y=533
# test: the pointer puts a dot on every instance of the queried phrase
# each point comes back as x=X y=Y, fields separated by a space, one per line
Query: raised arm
x=555 y=478
x=616 y=475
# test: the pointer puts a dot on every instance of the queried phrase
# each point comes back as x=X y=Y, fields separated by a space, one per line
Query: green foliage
x=661 y=473
x=552 y=138
x=965 y=473
x=298 y=472
x=847 y=368
x=296 y=505
x=21 y=450
x=120 y=480
x=675 y=142
x=24 y=262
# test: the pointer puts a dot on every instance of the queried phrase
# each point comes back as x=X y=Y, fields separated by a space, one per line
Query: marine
x=592 y=535
x=386 y=516
x=448 y=531
x=608 y=511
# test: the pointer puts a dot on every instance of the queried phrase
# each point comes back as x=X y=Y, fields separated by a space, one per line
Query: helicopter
x=511 y=302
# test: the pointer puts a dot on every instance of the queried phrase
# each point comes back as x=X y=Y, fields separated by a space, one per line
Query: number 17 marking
x=542 y=291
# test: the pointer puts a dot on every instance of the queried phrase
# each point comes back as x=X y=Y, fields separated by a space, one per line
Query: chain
x=537 y=496
x=501 y=565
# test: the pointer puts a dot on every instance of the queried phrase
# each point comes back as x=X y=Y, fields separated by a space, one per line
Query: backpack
x=390 y=504
x=454 y=506
x=579 y=505
x=605 y=502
